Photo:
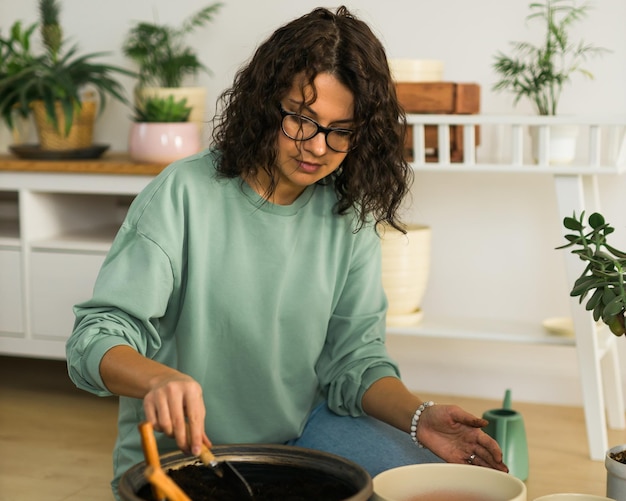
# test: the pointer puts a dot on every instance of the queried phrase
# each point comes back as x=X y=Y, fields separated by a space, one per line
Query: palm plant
x=56 y=76
x=539 y=72
x=16 y=54
x=160 y=52
x=603 y=277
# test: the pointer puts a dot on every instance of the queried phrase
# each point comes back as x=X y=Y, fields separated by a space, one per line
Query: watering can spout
x=506 y=403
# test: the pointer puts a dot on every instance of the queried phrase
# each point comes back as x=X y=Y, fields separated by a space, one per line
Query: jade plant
x=602 y=280
x=162 y=109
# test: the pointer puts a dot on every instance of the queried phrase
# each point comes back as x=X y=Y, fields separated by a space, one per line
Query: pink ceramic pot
x=162 y=142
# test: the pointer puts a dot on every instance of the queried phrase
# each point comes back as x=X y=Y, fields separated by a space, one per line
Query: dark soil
x=275 y=483
x=618 y=456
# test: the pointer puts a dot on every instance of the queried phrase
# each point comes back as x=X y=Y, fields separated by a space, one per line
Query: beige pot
x=447 y=481
x=405 y=270
x=81 y=132
x=196 y=99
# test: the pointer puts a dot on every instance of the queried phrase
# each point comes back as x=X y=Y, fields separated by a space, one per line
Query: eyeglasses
x=301 y=128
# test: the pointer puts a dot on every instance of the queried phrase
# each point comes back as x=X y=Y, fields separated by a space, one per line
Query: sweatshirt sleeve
x=354 y=355
x=131 y=293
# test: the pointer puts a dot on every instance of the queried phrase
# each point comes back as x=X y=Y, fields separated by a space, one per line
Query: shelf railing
x=601 y=143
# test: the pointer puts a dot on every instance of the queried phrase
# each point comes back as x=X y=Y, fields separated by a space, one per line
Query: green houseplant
x=539 y=72
x=160 y=51
x=161 y=109
x=602 y=284
x=15 y=55
x=161 y=131
x=603 y=277
x=164 y=60
x=54 y=84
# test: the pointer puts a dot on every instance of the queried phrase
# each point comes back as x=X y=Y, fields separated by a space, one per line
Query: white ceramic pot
x=447 y=481
x=405 y=269
x=615 y=475
x=561 y=144
x=567 y=496
x=162 y=142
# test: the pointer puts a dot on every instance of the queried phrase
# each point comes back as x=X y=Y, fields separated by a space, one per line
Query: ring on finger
x=470 y=460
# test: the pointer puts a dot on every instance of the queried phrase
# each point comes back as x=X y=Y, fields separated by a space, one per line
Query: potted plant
x=602 y=283
x=165 y=60
x=161 y=131
x=539 y=72
x=15 y=55
x=60 y=87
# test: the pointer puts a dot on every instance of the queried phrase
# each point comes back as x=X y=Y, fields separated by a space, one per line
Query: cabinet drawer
x=59 y=281
x=11 y=311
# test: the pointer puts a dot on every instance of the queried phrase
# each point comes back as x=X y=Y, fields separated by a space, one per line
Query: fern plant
x=160 y=51
x=538 y=72
x=160 y=109
x=603 y=277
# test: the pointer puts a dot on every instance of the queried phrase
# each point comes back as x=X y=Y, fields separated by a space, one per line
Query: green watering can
x=506 y=426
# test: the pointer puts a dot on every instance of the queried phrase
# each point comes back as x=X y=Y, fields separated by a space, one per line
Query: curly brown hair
x=374 y=177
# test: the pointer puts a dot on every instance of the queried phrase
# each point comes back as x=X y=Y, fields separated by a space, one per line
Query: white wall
x=494 y=235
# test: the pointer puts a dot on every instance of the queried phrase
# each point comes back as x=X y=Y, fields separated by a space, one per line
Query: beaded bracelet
x=416 y=418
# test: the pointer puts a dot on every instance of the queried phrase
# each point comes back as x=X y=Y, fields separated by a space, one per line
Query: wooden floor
x=56 y=441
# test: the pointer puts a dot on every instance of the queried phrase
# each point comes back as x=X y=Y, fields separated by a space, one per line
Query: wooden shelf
x=113 y=163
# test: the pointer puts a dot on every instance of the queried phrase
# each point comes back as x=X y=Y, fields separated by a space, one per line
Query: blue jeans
x=374 y=445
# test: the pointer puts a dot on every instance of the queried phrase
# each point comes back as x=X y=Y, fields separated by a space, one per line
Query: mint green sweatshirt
x=272 y=309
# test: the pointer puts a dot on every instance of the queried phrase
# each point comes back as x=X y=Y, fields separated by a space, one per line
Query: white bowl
x=568 y=496
x=447 y=481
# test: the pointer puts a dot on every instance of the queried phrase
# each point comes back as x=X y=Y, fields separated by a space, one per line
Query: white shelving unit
x=55 y=230
x=602 y=151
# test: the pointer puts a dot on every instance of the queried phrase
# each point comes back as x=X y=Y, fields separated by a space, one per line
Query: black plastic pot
x=296 y=472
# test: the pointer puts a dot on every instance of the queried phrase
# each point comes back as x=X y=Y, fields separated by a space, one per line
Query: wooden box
x=439 y=97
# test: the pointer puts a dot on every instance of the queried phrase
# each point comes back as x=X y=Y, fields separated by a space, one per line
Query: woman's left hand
x=456 y=437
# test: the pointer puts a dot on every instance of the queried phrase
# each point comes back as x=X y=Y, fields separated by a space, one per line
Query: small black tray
x=34 y=152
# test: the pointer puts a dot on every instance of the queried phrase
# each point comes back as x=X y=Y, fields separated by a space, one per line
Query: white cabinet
x=11 y=304
x=11 y=290
x=57 y=223
x=59 y=280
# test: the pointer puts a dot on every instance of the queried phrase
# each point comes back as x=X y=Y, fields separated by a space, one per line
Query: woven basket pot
x=81 y=132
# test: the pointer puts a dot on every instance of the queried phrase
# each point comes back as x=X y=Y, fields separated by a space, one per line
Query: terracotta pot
x=269 y=465
x=162 y=142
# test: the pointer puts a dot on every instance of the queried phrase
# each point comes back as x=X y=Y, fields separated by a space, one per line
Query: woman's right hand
x=174 y=405
x=171 y=400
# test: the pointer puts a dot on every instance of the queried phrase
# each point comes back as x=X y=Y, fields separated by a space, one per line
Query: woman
x=242 y=295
